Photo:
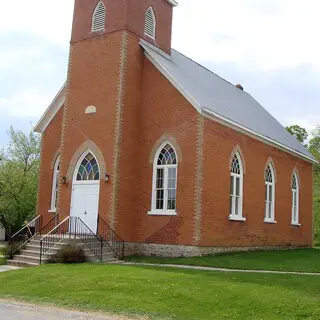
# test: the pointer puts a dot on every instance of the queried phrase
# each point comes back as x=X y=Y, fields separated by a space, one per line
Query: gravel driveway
x=19 y=311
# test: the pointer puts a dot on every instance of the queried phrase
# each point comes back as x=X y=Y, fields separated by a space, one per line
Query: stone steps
x=30 y=255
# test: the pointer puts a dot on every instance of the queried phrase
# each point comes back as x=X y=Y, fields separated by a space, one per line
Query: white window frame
x=164 y=211
x=55 y=185
x=233 y=216
x=94 y=17
x=153 y=36
x=268 y=184
x=295 y=192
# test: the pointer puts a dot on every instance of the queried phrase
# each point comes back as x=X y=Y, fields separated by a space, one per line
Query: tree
x=314 y=147
x=300 y=133
x=19 y=167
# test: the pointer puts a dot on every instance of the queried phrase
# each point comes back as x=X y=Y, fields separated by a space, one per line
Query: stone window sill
x=241 y=219
x=270 y=221
x=162 y=213
x=52 y=210
x=296 y=224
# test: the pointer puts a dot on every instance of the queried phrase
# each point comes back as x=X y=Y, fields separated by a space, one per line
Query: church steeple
x=147 y=19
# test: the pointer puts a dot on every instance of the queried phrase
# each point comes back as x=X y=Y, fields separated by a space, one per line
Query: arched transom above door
x=88 y=169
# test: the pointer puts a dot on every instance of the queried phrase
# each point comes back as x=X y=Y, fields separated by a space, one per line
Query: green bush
x=69 y=254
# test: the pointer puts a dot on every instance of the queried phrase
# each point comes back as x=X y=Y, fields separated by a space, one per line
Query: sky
x=271 y=47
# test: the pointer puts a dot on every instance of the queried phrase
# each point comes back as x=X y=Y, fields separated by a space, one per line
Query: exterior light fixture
x=64 y=180
x=106 y=178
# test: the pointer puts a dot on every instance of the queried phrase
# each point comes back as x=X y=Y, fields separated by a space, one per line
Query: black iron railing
x=82 y=232
x=110 y=238
x=50 y=225
x=24 y=235
x=71 y=228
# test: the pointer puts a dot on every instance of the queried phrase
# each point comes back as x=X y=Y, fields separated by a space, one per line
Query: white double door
x=85 y=203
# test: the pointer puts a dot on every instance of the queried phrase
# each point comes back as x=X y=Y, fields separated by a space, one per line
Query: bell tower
x=104 y=95
x=147 y=19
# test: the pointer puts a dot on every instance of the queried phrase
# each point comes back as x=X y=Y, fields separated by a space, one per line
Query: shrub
x=69 y=254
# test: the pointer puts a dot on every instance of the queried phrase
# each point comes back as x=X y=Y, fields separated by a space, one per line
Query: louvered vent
x=99 y=17
x=150 y=24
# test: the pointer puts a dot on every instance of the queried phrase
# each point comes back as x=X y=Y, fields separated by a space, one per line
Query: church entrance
x=85 y=191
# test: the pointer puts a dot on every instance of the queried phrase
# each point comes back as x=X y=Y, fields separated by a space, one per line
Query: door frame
x=76 y=182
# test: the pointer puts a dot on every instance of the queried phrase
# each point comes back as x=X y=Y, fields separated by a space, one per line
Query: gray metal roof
x=214 y=94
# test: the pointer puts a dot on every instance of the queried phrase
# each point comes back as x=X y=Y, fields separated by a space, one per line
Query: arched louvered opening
x=150 y=23
x=269 y=194
x=99 y=17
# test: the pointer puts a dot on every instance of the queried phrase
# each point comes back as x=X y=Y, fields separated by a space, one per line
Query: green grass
x=302 y=260
x=2 y=261
x=164 y=293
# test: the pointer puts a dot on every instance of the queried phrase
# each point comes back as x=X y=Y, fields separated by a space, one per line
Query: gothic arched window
x=236 y=188
x=88 y=169
x=164 y=193
x=269 y=194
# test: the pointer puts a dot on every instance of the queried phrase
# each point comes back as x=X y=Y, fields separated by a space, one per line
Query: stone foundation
x=171 y=251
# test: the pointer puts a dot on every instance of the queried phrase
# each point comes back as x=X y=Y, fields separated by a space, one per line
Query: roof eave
x=174 y=3
x=256 y=135
x=51 y=111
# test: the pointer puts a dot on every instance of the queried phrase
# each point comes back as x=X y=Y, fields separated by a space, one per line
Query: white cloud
x=51 y=20
x=27 y=103
x=265 y=33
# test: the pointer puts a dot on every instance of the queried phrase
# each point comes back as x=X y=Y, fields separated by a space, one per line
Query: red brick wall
x=124 y=14
x=50 y=146
x=93 y=80
x=165 y=111
x=219 y=142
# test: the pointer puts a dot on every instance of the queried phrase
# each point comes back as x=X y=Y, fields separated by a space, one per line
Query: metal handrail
x=25 y=234
x=111 y=238
x=71 y=227
x=27 y=225
x=55 y=228
x=50 y=225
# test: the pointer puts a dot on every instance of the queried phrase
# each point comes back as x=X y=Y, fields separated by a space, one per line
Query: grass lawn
x=164 y=293
x=2 y=261
x=307 y=260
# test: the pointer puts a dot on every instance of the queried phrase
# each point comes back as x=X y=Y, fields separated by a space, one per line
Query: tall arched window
x=236 y=188
x=164 y=193
x=295 y=199
x=88 y=169
x=269 y=194
x=150 y=23
x=55 y=185
x=99 y=17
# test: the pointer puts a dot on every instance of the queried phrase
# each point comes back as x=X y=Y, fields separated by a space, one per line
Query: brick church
x=175 y=159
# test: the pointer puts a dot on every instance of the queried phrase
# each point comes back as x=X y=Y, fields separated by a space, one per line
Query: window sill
x=162 y=213
x=295 y=224
x=241 y=219
x=52 y=210
x=270 y=221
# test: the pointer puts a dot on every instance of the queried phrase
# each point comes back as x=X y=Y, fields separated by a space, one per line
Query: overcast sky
x=271 y=47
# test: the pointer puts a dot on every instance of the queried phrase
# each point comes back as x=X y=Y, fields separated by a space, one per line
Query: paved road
x=19 y=311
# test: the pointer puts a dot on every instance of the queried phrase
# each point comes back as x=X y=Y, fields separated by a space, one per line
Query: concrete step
x=30 y=259
x=20 y=263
